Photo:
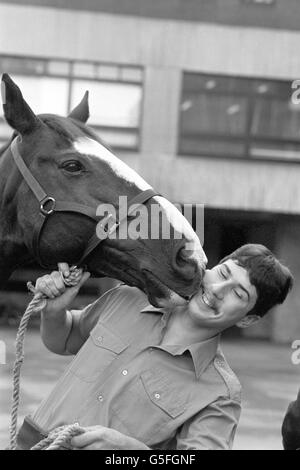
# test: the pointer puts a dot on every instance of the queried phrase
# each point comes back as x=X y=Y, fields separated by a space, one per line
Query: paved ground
x=269 y=380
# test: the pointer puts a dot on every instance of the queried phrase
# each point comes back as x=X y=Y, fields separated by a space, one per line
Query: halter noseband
x=48 y=205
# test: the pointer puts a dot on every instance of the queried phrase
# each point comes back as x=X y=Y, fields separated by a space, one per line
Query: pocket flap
x=162 y=394
x=104 y=337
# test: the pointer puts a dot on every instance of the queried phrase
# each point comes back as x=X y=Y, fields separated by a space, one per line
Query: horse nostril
x=183 y=256
x=185 y=264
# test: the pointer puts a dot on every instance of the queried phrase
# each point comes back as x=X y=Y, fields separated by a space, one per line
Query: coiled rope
x=60 y=436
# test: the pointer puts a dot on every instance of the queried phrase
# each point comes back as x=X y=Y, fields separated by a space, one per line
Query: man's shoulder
x=127 y=292
x=233 y=388
x=123 y=295
x=119 y=302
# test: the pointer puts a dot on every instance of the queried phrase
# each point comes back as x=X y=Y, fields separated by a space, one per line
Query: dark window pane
x=220 y=84
x=239 y=117
x=276 y=118
x=272 y=88
x=201 y=146
x=214 y=114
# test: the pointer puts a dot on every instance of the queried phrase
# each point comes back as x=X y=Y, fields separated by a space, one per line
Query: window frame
x=71 y=78
x=247 y=139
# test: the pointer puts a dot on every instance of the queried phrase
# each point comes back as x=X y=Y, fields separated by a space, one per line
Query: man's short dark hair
x=272 y=280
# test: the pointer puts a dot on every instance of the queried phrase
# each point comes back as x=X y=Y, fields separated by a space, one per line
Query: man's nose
x=220 y=289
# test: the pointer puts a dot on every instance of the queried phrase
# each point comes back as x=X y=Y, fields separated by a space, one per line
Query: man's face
x=226 y=297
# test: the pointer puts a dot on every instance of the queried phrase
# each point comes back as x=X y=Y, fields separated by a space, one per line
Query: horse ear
x=82 y=111
x=16 y=111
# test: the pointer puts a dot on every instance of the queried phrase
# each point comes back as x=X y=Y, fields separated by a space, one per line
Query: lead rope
x=60 y=435
x=59 y=438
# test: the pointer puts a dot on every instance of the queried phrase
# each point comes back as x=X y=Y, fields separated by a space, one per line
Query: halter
x=48 y=205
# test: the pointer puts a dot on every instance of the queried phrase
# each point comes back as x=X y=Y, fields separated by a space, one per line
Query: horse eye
x=72 y=166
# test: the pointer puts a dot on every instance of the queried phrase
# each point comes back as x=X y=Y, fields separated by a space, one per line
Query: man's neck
x=182 y=330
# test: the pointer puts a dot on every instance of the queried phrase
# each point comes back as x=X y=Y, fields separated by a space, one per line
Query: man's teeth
x=207 y=301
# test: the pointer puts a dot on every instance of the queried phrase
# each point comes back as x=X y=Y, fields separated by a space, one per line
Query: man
x=291 y=426
x=147 y=377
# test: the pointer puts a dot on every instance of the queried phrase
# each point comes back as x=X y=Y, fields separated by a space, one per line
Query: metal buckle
x=45 y=201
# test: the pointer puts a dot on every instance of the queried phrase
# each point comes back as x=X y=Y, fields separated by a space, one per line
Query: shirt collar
x=202 y=353
x=150 y=309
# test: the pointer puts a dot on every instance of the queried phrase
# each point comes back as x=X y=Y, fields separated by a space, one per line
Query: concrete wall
x=184 y=45
x=281 y=14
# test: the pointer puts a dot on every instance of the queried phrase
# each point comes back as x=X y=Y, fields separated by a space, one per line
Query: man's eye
x=224 y=276
x=238 y=294
x=72 y=166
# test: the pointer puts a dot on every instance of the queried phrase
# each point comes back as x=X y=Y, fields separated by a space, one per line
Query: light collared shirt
x=168 y=397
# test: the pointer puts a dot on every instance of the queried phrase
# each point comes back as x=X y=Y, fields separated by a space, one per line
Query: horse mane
x=5 y=146
x=58 y=124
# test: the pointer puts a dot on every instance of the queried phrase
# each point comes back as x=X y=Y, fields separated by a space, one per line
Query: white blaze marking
x=91 y=148
x=182 y=225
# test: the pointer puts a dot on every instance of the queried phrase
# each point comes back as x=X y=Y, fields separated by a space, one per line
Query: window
x=238 y=117
x=114 y=108
x=56 y=86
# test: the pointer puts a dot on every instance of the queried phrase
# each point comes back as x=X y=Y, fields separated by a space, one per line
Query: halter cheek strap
x=48 y=205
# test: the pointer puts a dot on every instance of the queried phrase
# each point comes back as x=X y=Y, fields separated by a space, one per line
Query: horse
x=69 y=160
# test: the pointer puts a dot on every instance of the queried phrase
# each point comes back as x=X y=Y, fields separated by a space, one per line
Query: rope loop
x=37 y=304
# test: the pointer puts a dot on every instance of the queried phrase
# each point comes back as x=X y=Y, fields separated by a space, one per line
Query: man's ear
x=247 y=321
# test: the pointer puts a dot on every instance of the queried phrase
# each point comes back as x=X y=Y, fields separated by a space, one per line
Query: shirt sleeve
x=86 y=319
x=291 y=426
x=213 y=428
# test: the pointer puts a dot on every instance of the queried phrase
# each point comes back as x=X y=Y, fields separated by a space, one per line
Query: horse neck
x=12 y=250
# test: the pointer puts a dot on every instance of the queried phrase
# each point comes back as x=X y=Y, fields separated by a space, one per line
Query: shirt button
x=157 y=396
x=125 y=372
x=100 y=339
x=100 y=398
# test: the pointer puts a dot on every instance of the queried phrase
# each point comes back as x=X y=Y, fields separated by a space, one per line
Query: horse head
x=72 y=164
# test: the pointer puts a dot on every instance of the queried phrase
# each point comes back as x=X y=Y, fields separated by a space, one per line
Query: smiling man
x=152 y=378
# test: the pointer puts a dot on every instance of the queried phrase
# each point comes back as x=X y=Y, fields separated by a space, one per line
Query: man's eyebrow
x=229 y=272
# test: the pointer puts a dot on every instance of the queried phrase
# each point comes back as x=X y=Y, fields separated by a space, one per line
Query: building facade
x=194 y=95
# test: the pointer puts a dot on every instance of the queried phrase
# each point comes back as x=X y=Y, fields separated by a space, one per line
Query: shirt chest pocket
x=161 y=393
x=99 y=352
x=151 y=407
